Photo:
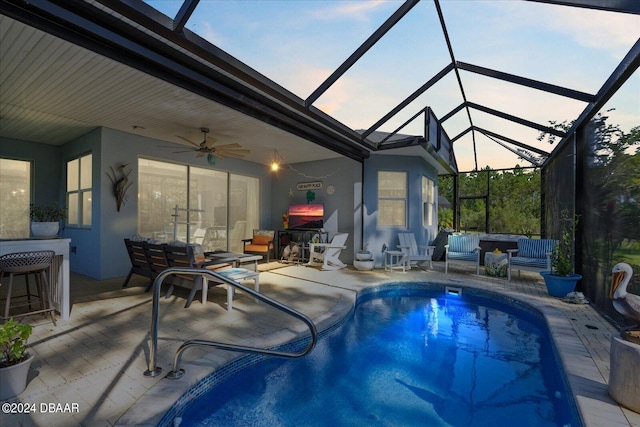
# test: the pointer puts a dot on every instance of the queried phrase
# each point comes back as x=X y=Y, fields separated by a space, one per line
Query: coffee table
x=236 y=259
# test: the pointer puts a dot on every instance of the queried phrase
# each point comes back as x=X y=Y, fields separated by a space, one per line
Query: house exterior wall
x=378 y=238
x=341 y=207
x=99 y=252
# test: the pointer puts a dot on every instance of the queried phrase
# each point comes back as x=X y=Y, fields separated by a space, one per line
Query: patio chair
x=139 y=264
x=260 y=244
x=462 y=249
x=410 y=248
x=330 y=255
x=532 y=255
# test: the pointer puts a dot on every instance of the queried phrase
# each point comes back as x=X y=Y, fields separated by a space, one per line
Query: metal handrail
x=154 y=370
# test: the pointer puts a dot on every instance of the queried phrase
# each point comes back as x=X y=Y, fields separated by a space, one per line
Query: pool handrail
x=154 y=370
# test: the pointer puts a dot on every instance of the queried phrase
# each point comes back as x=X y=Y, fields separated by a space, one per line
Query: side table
x=496 y=264
x=395 y=260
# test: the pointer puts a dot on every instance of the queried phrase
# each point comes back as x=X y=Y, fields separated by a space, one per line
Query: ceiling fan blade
x=210 y=142
x=231 y=154
x=182 y=151
x=200 y=154
x=235 y=150
x=226 y=146
x=188 y=140
x=218 y=155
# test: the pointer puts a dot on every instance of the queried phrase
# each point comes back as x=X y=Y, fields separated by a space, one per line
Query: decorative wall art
x=120 y=179
x=311 y=196
x=317 y=185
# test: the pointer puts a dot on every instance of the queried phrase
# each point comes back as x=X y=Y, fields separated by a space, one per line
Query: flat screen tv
x=306 y=215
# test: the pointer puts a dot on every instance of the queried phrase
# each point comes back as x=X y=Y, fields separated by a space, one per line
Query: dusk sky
x=298 y=44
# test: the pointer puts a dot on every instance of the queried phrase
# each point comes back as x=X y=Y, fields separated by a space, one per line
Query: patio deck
x=97 y=358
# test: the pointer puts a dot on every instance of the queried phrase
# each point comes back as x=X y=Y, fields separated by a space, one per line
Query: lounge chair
x=532 y=255
x=410 y=248
x=462 y=249
x=329 y=258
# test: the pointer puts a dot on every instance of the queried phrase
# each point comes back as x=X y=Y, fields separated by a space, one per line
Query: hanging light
x=274 y=163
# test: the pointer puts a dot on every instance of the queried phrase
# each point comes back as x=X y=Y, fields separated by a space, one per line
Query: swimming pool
x=409 y=355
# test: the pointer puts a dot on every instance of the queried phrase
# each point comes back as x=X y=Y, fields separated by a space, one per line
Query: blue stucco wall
x=379 y=238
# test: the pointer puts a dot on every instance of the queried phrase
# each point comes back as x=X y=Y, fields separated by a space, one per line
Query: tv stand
x=301 y=236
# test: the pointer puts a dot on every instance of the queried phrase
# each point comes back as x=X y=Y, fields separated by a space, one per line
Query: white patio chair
x=329 y=257
x=410 y=248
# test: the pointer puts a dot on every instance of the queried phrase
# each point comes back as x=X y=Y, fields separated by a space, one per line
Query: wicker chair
x=25 y=263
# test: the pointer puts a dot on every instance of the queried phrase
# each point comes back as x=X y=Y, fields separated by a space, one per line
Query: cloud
x=616 y=32
x=207 y=33
x=353 y=10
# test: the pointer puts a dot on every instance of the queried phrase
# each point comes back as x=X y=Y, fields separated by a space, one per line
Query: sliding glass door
x=213 y=208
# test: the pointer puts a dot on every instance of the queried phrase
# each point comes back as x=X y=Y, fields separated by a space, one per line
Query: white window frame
x=404 y=200
x=84 y=194
x=428 y=188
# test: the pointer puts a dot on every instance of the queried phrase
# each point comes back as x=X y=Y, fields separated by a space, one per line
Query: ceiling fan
x=207 y=147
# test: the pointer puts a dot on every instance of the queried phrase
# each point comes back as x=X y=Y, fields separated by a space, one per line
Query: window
x=15 y=196
x=392 y=199
x=79 y=186
x=428 y=202
x=223 y=208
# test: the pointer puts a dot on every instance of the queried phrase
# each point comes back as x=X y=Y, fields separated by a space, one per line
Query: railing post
x=152 y=369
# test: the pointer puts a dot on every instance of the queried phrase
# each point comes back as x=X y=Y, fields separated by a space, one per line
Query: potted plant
x=364 y=254
x=45 y=219
x=364 y=259
x=15 y=362
x=562 y=280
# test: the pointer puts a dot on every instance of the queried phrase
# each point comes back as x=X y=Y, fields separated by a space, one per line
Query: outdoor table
x=238 y=260
x=237 y=275
x=395 y=260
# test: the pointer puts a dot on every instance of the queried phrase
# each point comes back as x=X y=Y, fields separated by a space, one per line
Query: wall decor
x=311 y=196
x=120 y=179
x=316 y=185
x=330 y=189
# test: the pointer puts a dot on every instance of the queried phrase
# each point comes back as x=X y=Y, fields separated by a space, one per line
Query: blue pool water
x=406 y=358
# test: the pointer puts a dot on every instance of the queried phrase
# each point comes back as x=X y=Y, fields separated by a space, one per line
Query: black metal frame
x=220 y=77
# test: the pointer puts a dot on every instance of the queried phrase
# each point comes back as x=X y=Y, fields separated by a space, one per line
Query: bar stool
x=26 y=263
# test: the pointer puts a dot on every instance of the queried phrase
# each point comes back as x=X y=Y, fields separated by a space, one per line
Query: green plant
x=47 y=213
x=562 y=256
x=13 y=342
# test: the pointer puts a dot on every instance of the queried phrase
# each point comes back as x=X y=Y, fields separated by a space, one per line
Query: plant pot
x=45 y=229
x=560 y=286
x=13 y=379
x=364 y=265
x=364 y=256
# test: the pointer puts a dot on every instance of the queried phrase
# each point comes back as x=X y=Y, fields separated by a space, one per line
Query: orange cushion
x=260 y=240
x=256 y=248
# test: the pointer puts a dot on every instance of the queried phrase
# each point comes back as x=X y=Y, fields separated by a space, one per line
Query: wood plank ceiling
x=52 y=91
